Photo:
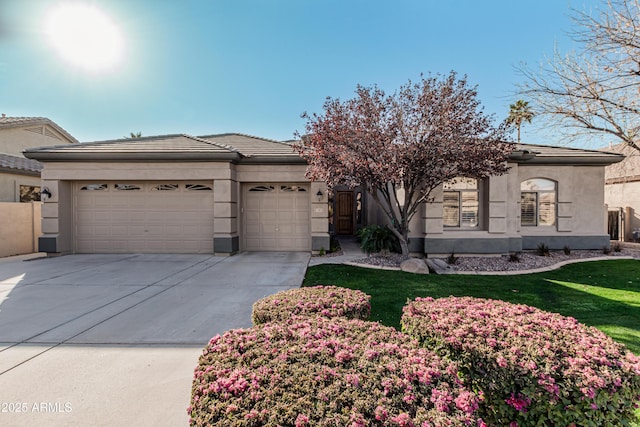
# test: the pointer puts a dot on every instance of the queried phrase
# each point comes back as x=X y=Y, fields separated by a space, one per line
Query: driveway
x=113 y=339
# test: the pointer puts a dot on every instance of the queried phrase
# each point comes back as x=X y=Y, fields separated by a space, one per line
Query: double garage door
x=177 y=217
x=147 y=217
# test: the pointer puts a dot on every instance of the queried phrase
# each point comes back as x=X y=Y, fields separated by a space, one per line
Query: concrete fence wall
x=20 y=227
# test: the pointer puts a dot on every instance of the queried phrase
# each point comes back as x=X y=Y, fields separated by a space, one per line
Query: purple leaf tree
x=401 y=147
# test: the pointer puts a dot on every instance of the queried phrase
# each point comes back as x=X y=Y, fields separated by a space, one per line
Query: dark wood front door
x=344 y=212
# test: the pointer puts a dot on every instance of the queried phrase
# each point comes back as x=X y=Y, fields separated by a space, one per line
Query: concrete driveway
x=109 y=340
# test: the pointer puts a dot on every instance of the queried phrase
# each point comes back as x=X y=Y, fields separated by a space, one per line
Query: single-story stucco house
x=232 y=192
x=19 y=176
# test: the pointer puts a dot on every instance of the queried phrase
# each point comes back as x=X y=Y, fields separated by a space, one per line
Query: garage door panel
x=269 y=216
x=144 y=220
x=268 y=203
x=302 y=229
x=267 y=228
x=286 y=215
x=253 y=215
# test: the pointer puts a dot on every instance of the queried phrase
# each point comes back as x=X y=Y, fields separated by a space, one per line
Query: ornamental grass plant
x=529 y=366
x=326 y=301
x=316 y=371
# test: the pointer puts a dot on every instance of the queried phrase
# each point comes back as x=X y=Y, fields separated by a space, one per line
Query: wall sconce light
x=319 y=195
x=45 y=194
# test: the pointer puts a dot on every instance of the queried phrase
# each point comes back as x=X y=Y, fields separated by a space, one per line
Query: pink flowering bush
x=529 y=366
x=326 y=301
x=326 y=372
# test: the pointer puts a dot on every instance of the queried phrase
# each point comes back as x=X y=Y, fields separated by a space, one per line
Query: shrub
x=531 y=367
x=327 y=301
x=514 y=257
x=325 y=372
x=543 y=250
x=617 y=247
x=374 y=238
x=567 y=250
x=606 y=250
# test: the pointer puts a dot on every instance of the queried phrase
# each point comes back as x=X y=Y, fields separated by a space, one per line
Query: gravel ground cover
x=527 y=260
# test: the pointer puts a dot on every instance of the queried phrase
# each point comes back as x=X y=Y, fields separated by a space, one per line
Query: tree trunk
x=403 y=238
x=404 y=245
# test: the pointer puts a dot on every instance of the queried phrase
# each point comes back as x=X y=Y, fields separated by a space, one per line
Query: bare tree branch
x=595 y=91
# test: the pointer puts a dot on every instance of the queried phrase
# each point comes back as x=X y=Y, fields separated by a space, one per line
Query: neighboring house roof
x=547 y=154
x=14 y=122
x=223 y=147
x=19 y=165
x=626 y=171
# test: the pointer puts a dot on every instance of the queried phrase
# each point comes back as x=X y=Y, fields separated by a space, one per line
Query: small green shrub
x=326 y=301
x=322 y=251
x=531 y=367
x=543 y=250
x=326 y=372
x=514 y=257
x=374 y=238
x=567 y=250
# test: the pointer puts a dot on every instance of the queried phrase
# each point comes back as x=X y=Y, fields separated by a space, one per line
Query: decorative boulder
x=415 y=265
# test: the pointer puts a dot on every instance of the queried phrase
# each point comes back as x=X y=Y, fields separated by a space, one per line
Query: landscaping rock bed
x=529 y=260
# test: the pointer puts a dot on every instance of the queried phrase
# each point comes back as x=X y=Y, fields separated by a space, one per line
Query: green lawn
x=604 y=294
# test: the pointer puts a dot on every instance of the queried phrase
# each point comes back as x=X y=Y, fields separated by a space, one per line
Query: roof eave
x=275 y=159
x=4 y=169
x=146 y=156
x=584 y=161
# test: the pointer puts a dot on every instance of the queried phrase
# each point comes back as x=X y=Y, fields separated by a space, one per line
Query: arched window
x=460 y=203
x=538 y=202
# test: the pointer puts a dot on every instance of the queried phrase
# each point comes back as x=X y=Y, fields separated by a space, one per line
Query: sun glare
x=85 y=36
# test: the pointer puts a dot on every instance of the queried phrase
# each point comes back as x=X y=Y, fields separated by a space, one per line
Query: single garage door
x=277 y=217
x=146 y=217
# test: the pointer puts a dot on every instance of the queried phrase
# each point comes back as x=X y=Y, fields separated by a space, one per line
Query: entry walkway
x=351 y=251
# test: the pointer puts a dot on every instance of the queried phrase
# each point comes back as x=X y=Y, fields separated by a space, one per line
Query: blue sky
x=253 y=66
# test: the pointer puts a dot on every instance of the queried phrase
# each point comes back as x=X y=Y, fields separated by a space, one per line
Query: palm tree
x=518 y=113
x=134 y=135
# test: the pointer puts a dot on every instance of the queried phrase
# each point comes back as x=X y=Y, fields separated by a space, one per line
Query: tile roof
x=19 y=164
x=251 y=146
x=12 y=122
x=247 y=148
x=234 y=147
x=179 y=143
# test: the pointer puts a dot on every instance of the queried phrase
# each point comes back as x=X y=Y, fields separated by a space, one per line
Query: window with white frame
x=538 y=203
x=461 y=203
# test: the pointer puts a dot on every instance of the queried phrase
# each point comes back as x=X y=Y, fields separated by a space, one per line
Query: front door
x=344 y=212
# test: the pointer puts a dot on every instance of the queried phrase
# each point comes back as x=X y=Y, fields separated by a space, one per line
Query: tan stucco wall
x=580 y=199
x=19 y=228
x=15 y=140
x=10 y=185
x=625 y=195
x=71 y=171
x=580 y=207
